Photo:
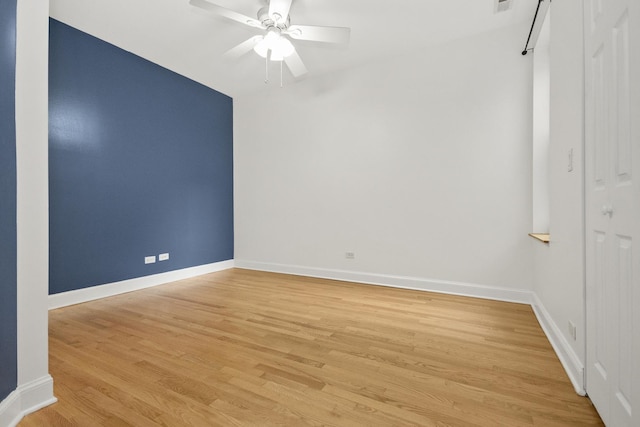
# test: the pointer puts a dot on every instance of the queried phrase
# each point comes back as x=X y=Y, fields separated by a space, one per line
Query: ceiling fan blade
x=225 y=13
x=315 y=33
x=243 y=48
x=280 y=7
x=295 y=64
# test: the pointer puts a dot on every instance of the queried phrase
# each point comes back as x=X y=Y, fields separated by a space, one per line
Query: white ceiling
x=182 y=38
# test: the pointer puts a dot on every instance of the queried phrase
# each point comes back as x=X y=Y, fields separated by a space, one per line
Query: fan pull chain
x=266 y=69
x=281 y=72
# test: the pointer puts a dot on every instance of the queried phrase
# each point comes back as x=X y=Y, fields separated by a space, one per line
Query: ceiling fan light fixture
x=283 y=47
x=267 y=42
x=276 y=57
x=279 y=46
x=272 y=36
x=261 y=48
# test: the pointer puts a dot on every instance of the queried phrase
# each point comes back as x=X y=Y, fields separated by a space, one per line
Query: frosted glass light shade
x=280 y=47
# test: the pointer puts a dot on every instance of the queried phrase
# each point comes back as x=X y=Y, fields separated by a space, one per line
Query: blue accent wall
x=140 y=163
x=8 y=260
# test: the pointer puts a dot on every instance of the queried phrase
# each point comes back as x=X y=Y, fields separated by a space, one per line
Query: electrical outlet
x=350 y=255
x=149 y=259
x=163 y=257
x=572 y=330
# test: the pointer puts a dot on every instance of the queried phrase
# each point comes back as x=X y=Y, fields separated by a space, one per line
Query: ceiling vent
x=503 y=5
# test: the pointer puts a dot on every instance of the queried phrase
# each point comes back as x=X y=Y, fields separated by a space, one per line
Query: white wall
x=420 y=165
x=559 y=267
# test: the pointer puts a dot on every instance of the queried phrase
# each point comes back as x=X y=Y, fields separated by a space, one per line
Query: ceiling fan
x=274 y=44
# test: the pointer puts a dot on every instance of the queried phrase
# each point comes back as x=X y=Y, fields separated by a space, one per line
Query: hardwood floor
x=245 y=348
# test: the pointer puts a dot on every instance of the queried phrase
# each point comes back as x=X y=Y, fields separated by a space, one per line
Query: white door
x=612 y=194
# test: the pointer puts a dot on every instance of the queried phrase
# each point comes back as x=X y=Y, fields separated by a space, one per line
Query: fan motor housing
x=269 y=22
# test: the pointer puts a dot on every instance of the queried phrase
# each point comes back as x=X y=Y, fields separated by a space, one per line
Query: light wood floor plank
x=246 y=348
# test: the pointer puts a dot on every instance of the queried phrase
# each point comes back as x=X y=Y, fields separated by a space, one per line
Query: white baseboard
x=569 y=359
x=78 y=296
x=10 y=411
x=25 y=399
x=404 y=282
